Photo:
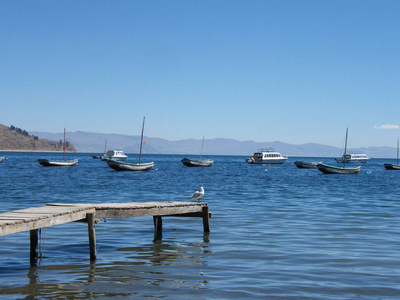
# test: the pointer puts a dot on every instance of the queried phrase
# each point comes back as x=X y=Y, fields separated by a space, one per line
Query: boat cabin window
x=271 y=155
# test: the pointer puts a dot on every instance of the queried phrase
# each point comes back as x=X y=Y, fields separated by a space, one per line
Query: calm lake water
x=277 y=232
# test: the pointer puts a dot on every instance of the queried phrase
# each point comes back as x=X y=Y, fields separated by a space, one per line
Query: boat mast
x=397 y=151
x=105 y=147
x=345 y=147
x=64 y=147
x=201 y=152
x=141 y=141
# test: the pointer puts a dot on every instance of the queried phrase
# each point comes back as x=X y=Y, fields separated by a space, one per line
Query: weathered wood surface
x=92 y=236
x=40 y=217
x=60 y=213
x=141 y=209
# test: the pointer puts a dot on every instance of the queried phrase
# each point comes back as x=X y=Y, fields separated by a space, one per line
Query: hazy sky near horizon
x=287 y=70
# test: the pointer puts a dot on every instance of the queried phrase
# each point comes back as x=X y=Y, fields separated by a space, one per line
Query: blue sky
x=293 y=71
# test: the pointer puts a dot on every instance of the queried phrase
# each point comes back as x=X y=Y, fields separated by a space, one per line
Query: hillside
x=18 y=140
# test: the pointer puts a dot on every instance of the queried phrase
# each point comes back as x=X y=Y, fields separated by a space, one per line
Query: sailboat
x=54 y=163
x=392 y=166
x=198 y=162
x=327 y=169
x=125 y=166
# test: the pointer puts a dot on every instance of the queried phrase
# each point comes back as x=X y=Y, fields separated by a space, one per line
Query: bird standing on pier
x=197 y=194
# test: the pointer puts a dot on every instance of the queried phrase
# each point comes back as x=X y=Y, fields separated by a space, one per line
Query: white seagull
x=197 y=194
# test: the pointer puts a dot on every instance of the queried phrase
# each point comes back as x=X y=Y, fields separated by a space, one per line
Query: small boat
x=266 y=156
x=353 y=158
x=114 y=155
x=327 y=169
x=54 y=163
x=393 y=166
x=125 y=166
x=104 y=156
x=3 y=158
x=198 y=162
x=306 y=165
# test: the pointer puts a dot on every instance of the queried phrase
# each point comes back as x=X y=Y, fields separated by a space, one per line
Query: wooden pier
x=33 y=219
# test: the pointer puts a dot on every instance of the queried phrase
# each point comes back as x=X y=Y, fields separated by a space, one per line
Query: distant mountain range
x=95 y=143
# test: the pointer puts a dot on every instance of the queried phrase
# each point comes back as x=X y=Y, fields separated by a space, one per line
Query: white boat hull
x=355 y=161
x=53 y=163
x=124 y=166
x=270 y=161
x=353 y=158
x=326 y=169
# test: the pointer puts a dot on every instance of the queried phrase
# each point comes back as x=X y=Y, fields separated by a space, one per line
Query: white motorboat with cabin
x=266 y=156
x=353 y=158
x=118 y=155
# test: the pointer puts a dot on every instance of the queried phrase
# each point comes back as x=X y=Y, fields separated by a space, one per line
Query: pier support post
x=92 y=236
x=34 y=246
x=157 y=227
x=206 y=219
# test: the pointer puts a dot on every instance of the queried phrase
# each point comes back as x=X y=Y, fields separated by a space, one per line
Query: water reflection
x=167 y=252
x=133 y=276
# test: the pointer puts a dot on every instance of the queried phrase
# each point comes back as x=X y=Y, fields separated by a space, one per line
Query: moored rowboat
x=327 y=169
x=197 y=163
x=53 y=163
x=306 y=165
x=396 y=166
x=391 y=166
x=124 y=166
x=118 y=165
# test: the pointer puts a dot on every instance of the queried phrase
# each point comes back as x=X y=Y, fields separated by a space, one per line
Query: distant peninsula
x=15 y=139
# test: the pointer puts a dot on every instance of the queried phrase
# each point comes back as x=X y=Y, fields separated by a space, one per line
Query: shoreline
x=43 y=151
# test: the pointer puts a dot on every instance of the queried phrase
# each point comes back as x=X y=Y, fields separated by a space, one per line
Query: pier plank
x=40 y=217
x=60 y=213
x=141 y=209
